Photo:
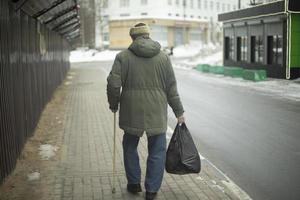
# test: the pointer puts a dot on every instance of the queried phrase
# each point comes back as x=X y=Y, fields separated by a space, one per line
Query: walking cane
x=114 y=156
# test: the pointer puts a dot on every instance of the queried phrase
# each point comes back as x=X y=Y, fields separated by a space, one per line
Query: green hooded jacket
x=148 y=84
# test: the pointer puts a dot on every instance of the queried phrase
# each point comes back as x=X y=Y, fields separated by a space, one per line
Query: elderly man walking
x=148 y=84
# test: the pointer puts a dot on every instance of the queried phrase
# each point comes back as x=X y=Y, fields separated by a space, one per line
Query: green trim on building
x=295 y=40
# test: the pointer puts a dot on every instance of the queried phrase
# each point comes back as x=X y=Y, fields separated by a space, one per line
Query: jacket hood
x=145 y=47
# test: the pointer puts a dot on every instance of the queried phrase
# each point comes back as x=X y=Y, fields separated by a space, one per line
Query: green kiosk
x=264 y=37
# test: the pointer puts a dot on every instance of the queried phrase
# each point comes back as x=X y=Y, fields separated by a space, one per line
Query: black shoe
x=134 y=188
x=150 y=195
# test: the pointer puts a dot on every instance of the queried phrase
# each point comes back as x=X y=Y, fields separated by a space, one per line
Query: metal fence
x=33 y=62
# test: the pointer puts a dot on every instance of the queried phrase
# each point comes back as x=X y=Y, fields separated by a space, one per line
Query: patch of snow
x=222 y=189
x=170 y=131
x=83 y=55
x=202 y=157
x=35 y=176
x=212 y=54
x=47 y=151
x=168 y=137
x=288 y=89
x=105 y=55
x=189 y=50
x=241 y=194
x=183 y=66
x=213 y=59
x=68 y=83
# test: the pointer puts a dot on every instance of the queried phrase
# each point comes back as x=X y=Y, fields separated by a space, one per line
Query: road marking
x=234 y=188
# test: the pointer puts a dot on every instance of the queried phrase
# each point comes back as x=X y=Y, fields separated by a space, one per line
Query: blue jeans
x=155 y=161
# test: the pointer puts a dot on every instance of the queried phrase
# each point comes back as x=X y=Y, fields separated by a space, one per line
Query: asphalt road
x=252 y=137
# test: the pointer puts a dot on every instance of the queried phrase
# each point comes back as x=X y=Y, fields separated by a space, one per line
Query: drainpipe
x=288 y=41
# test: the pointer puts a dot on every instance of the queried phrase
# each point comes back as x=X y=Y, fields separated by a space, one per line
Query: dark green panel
x=295 y=41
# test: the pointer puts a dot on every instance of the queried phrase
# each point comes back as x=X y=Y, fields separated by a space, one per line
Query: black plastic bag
x=182 y=154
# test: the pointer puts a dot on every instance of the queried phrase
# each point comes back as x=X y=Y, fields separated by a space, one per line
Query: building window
x=177 y=15
x=242 y=48
x=124 y=14
x=199 y=4
x=105 y=17
x=105 y=3
x=275 y=47
x=105 y=37
x=223 y=7
x=160 y=34
x=211 y=5
x=218 y=6
x=170 y=2
x=195 y=34
x=184 y=3
x=192 y=16
x=169 y=14
x=177 y=2
x=257 y=49
x=205 y=4
x=124 y=3
x=144 y=13
x=144 y=2
x=229 y=48
x=234 y=7
x=192 y=3
x=228 y=7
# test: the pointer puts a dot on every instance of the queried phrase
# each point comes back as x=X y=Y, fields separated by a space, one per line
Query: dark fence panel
x=33 y=63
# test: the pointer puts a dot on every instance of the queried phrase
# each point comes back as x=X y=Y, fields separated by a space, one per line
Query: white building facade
x=175 y=21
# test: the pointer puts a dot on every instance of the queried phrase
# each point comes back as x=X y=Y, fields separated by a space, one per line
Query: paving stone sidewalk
x=85 y=166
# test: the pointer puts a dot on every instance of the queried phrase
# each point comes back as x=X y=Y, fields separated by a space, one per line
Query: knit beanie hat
x=139 y=29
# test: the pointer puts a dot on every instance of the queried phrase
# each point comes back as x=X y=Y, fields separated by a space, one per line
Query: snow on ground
x=288 y=89
x=47 y=151
x=33 y=176
x=188 y=56
x=213 y=59
x=212 y=55
x=197 y=53
x=90 y=55
x=190 y=50
x=194 y=50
